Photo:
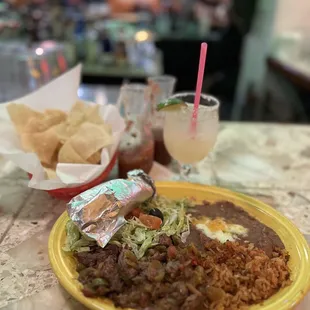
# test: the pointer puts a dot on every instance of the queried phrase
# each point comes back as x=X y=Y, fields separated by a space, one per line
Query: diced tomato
x=129 y=216
x=172 y=252
x=150 y=221
x=136 y=212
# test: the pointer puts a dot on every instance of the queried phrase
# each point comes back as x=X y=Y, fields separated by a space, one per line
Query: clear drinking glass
x=136 y=150
x=161 y=88
x=184 y=145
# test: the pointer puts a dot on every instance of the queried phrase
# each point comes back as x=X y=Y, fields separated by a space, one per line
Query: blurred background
x=258 y=61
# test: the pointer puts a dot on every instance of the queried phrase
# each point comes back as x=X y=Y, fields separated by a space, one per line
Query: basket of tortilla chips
x=65 y=148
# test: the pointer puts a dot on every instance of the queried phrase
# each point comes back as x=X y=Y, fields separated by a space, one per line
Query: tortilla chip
x=26 y=143
x=43 y=122
x=35 y=124
x=50 y=173
x=54 y=160
x=20 y=114
x=62 y=132
x=95 y=158
x=77 y=115
x=54 y=117
x=44 y=144
x=89 y=139
x=71 y=130
x=67 y=154
x=53 y=164
x=93 y=116
x=56 y=137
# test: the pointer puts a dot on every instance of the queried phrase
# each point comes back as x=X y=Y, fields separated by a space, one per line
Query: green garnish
x=171 y=104
x=140 y=238
x=136 y=235
x=75 y=241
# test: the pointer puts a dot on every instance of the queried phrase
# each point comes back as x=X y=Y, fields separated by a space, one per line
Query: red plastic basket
x=68 y=193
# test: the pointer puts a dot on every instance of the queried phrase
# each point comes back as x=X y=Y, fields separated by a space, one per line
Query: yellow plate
x=287 y=298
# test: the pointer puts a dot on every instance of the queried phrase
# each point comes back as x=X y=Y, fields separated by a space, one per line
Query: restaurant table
x=268 y=161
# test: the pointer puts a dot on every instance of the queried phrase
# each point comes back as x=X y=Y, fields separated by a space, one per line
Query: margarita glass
x=187 y=146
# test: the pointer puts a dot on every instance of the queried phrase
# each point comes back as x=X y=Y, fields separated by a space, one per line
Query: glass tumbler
x=161 y=88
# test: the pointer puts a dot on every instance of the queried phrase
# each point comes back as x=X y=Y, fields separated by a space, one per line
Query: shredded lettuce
x=140 y=238
x=75 y=241
x=135 y=234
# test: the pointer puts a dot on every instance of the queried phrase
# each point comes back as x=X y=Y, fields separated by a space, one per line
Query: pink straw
x=201 y=70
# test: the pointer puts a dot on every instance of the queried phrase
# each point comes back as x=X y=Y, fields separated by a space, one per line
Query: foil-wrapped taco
x=100 y=211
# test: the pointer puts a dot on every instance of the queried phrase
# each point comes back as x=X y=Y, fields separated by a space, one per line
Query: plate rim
x=54 y=246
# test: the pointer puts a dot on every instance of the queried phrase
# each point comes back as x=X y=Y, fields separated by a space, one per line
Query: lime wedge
x=172 y=104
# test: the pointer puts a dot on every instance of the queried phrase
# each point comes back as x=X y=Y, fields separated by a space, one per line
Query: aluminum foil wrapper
x=100 y=211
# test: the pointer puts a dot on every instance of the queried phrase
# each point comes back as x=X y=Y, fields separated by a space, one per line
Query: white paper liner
x=59 y=94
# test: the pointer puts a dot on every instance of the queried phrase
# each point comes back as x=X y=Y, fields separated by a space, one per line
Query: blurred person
x=174 y=8
x=212 y=13
x=223 y=79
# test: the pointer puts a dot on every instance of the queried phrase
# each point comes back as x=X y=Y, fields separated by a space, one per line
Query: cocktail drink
x=161 y=89
x=186 y=146
x=136 y=149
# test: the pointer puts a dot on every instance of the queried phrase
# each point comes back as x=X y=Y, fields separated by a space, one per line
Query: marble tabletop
x=270 y=162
